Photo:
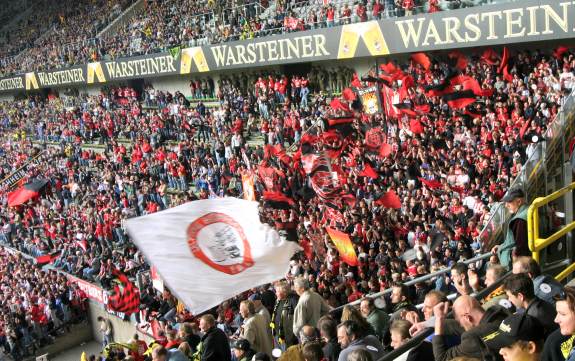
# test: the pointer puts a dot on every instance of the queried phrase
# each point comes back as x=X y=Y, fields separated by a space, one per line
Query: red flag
x=506 y=75
x=374 y=137
x=460 y=99
x=268 y=151
x=336 y=104
x=461 y=59
x=558 y=53
x=308 y=138
x=422 y=108
x=339 y=121
x=389 y=68
x=524 y=129
x=421 y=59
x=387 y=96
x=349 y=95
x=355 y=81
x=344 y=246
x=385 y=150
x=332 y=216
x=389 y=200
x=415 y=126
x=82 y=244
x=349 y=199
x=368 y=171
x=490 y=56
x=432 y=184
x=48 y=258
x=277 y=200
x=405 y=109
x=504 y=60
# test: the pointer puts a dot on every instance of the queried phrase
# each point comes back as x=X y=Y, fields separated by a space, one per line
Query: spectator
x=492 y=274
x=310 y=306
x=515 y=243
x=360 y=355
x=400 y=335
x=460 y=278
x=256 y=298
x=350 y=338
x=378 y=319
x=255 y=329
x=546 y=287
x=105 y=327
x=519 y=338
x=214 y=343
x=312 y=351
x=328 y=332
x=560 y=345
x=187 y=334
x=283 y=316
x=476 y=322
x=159 y=354
x=242 y=350
x=400 y=301
x=519 y=289
x=308 y=334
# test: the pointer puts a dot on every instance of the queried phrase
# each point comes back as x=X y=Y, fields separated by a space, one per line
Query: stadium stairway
x=124 y=17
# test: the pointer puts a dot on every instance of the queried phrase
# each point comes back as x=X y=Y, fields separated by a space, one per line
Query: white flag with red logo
x=210 y=250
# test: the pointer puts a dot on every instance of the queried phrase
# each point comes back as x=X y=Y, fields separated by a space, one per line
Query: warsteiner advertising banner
x=487 y=25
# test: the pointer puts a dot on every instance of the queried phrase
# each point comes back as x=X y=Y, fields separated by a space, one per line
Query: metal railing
x=416 y=280
x=536 y=154
x=537 y=244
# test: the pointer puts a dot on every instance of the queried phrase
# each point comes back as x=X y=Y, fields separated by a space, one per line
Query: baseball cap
x=242 y=344
x=255 y=297
x=517 y=327
x=512 y=194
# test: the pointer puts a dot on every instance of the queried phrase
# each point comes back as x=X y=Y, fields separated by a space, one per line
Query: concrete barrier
x=122 y=330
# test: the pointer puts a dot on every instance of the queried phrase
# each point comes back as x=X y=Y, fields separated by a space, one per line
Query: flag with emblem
x=211 y=250
x=125 y=296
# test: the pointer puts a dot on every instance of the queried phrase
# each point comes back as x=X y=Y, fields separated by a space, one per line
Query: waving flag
x=389 y=200
x=344 y=246
x=210 y=250
x=125 y=297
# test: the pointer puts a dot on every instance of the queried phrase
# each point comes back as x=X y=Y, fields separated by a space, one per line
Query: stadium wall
x=122 y=330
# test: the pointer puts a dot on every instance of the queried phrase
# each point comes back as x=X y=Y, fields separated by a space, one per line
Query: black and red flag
x=460 y=99
x=125 y=297
x=374 y=138
x=26 y=192
x=277 y=200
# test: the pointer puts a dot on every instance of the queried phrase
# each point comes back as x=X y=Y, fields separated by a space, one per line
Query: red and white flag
x=208 y=251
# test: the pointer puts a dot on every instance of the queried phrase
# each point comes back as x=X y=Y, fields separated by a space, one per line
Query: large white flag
x=210 y=250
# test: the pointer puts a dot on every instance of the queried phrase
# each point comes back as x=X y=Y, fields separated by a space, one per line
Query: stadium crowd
x=52 y=37
x=448 y=164
x=37 y=305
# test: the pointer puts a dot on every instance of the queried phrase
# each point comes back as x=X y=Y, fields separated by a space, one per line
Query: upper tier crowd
x=449 y=165
x=50 y=37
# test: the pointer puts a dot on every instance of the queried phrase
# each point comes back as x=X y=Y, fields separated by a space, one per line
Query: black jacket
x=331 y=350
x=471 y=344
x=545 y=313
x=555 y=343
x=215 y=346
x=422 y=352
